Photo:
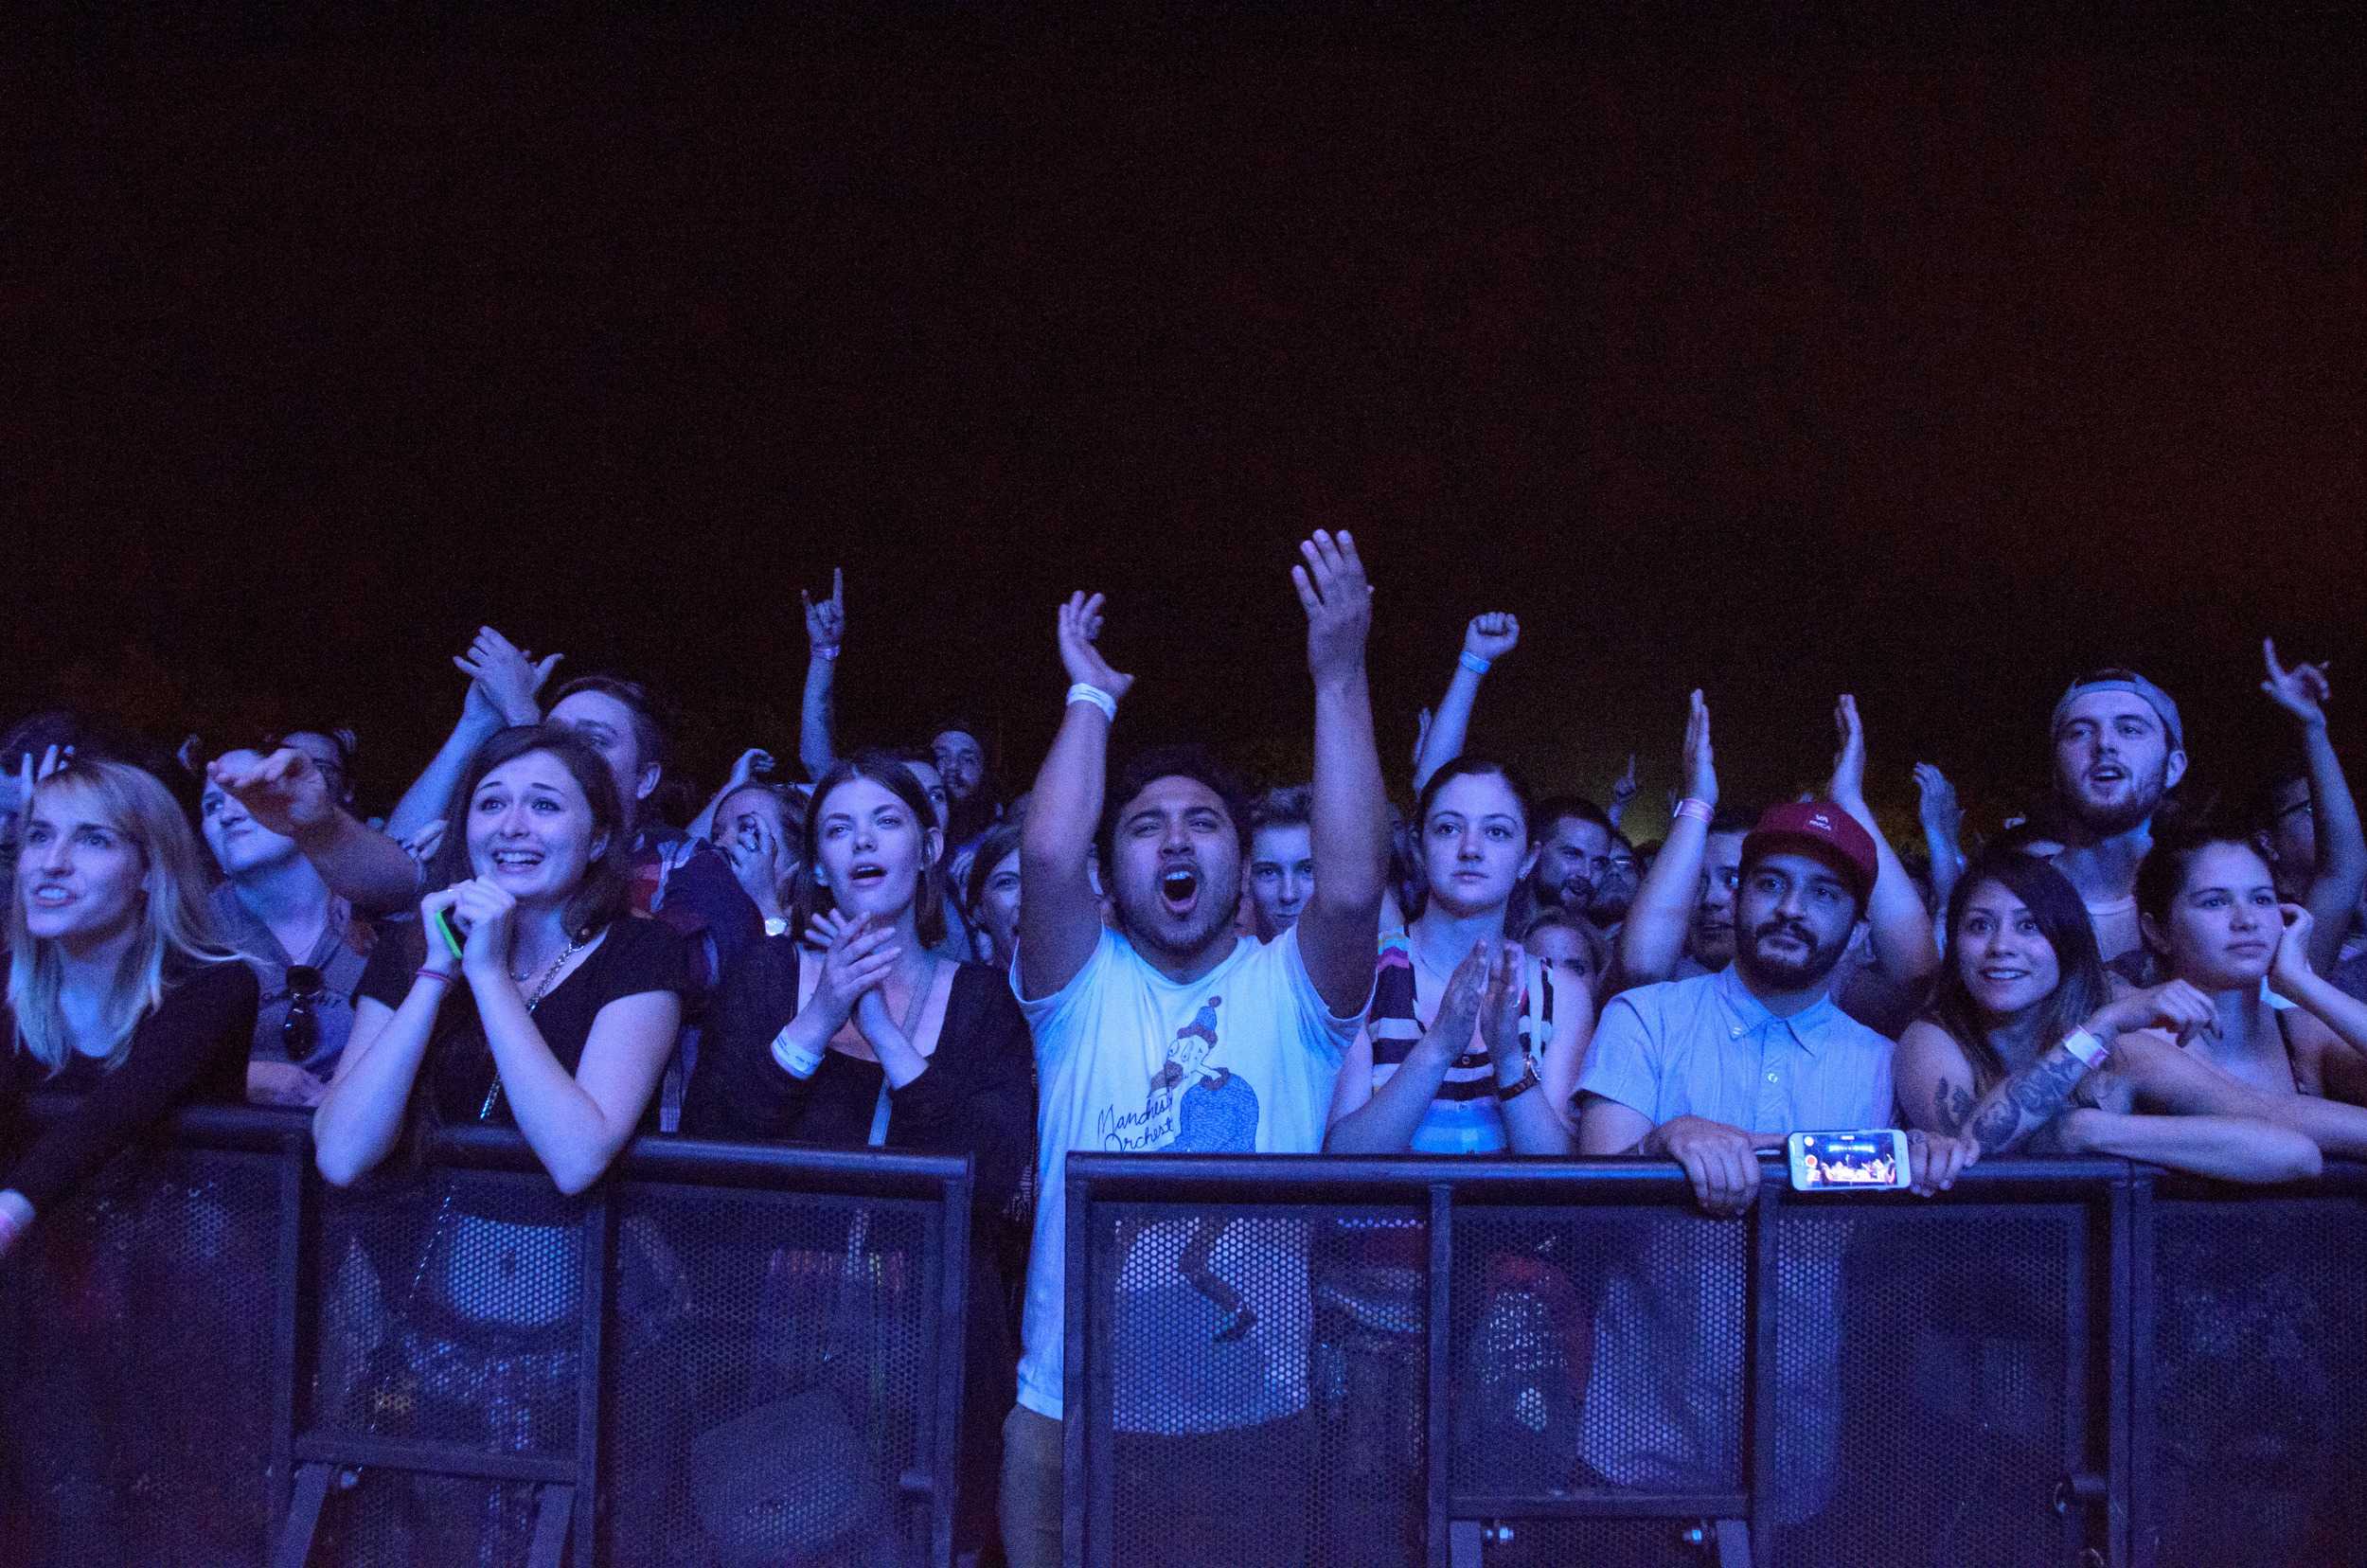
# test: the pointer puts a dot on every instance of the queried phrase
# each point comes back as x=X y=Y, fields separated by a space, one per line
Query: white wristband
x=2087 y=1047
x=1474 y=663
x=796 y=1059
x=1081 y=692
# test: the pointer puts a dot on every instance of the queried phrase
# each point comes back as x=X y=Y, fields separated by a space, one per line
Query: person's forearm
x=1533 y=1127
x=2333 y=895
x=1449 y=725
x=360 y=1120
x=898 y=1061
x=2022 y=1103
x=1386 y=1123
x=1059 y=919
x=1654 y=935
x=565 y=1126
x=364 y=867
x=1349 y=826
x=1901 y=926
x=2345 y=1014
x=2234 y=1149
x=816 y=746
x=430 y=794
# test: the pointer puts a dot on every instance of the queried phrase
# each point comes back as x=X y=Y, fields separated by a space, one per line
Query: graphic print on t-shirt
x=1216 y=1110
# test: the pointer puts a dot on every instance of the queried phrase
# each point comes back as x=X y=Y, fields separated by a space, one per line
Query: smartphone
x=442 y=919
x=1848 y=1162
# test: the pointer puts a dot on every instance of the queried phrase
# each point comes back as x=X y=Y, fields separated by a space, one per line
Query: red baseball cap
x=1824 y=830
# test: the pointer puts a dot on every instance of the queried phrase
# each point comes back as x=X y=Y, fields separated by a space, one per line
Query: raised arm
x=286 y=793
x=503 y=682
x=1060 y=919
x=1943 y=822
x=1654 y=935
x=1901 y=927
x=1488 y=637
x=1349 y=825
x=752 y=761
x=2333 y=895
x=825 y=634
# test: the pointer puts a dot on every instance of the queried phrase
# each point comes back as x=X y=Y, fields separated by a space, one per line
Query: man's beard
x=1611 y=905
x=1571 y=894
x=1146 y=921
x=2112 y=821
x=1783 y=972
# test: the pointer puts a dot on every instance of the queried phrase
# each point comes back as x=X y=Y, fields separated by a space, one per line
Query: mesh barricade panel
x=449 y=1312
x=388 y=1517
x=1920 y=1383
x=135 y=1334
x=1593 y=1543
x=771 y=1375
x=1596 y=1348
x=2260 y=1368
x=1208 y=1320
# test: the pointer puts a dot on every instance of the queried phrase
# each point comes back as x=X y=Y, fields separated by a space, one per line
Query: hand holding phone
x=1849 y=1162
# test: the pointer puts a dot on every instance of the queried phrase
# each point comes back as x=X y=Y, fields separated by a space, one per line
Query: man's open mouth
x=1178 y=889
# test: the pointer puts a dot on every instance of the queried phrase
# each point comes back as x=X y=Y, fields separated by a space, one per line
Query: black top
x=192 y=1045
x=976 y=1097
x=638 y=956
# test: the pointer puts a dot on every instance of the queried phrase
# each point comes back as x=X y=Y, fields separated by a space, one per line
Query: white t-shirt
x=1130 y=1061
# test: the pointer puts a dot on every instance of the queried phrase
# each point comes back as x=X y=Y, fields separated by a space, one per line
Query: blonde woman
x=118 y=985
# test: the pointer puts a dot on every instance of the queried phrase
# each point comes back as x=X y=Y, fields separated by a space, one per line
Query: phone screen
x=1827 y=1161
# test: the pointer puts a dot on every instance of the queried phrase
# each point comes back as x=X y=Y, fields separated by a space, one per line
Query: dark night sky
x=1926 y=371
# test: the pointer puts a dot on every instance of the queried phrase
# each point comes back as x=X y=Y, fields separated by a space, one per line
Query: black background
x=1779 y=356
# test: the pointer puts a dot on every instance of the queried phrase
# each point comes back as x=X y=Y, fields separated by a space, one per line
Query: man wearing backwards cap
x=2119 y=749
x=1707 y=1071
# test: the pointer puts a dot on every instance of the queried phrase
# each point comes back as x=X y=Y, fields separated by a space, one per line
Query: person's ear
x=1529 y=862
x=2174 y=770
x=2156 y=938
x=599 y=846
x=821 y=877
x=933 y=844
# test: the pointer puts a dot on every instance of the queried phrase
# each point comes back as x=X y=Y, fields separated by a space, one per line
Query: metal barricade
x=723 y=1354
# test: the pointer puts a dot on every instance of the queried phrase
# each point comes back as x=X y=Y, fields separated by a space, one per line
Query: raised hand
x=1339 y=604
x=1489 y=637
x=1700 y=761
x=1500 y=1012
x=752 y=761
x=283 y=792
x=1848 y=783
x=1936 y=803
x=507 y=674
x=826 y=622
x=1623 y=788
x=1080 y=655
x=1421 y=734
x=485 y=913
x=2302 y=691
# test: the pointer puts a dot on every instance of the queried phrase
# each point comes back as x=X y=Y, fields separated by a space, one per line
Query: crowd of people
x=1144 y=957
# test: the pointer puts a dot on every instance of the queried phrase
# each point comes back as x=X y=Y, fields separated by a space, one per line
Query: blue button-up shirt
x=1706 y=1047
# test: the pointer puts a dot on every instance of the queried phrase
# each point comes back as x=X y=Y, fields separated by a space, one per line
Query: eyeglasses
x=301 y=1029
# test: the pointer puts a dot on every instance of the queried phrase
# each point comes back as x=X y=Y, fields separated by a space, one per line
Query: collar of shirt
x=1808 y=1026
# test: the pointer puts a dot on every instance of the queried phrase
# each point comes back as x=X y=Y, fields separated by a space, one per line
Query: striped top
x=1464 y=1116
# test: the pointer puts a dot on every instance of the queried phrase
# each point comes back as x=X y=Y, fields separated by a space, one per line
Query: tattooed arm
x=1934 y=1079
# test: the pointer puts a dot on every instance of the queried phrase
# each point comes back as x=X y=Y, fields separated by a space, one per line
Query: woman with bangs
x=1464 y=1025
x=557 y=1013
x=868 y=1037
x=2025 y=1047
x=120 y=985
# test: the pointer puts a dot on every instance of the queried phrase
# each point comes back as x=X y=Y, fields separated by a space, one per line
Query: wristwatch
x=1506 y=1094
